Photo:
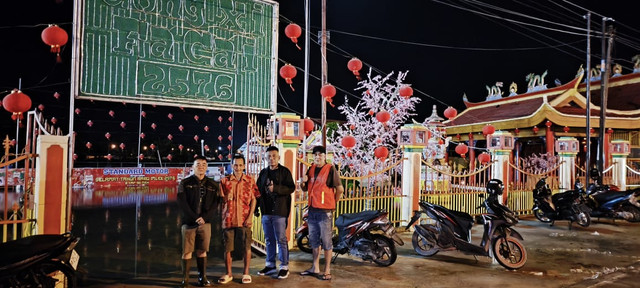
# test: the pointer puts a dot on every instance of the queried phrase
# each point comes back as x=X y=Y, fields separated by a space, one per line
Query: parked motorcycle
x=302 y=233
x=31 y=261
x=605 y=202
x=368 y=235
x=452 y=231
x=569 y=205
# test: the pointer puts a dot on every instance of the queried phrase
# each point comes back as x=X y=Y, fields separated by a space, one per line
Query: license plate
x=74 y=259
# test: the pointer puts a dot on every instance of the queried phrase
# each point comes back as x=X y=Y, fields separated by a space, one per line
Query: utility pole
x=604 y=81
x=324 y=71
x=588 y=96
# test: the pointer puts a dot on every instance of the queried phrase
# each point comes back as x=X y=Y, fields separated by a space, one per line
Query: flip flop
x=246 y=279
x=308 y=273
x=225 y=279
x=325 y=276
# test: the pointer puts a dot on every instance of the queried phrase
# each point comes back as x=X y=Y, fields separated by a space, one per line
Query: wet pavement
x=138 y=246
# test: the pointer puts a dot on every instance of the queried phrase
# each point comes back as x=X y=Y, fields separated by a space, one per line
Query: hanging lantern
x=111 y=113
x=229 y=147
x=55 y=37
x=170 y=116
x=484 y=158
x=230 y=119
x=206 y=148
x=219 y=137
x=154 y=126
x=229 y=137
x=328 y=91
x=88 y=145
x=565 y=129
x=462 y=149
x=230 y=128
x=152 y=146
x=293 y=31
x=220 y=156
x=206 y=128
x=56 y=95
x=75 y=156
x=610 y=131
x=535 y=129
x=107 y=135
x=141 y=156
x=143 y=114
x=90 y=123
x=450 y=112
x=548 y=123
x=77 y=110
x=406 y=91
x=40 y=107
x=516 y=131
x=288 y=72
x=169 y=157
x=16 y=102
x=170 y=137
x=220 y=119
x=591 y=130
x=180 y=147
x=383 y=116
x=381 y=152
x=488 y=129
x=181 y=128
x=196 y=117
x=142 y=135
x=123 y=124
x=54 y=120
x=308 y=126
x=352 y=127
x=122 y=146
x=348 y=141
x=354 y=65
x=109 y=157
x=196 y=138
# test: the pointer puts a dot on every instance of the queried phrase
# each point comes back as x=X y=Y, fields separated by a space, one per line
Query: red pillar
x=607 y=153
x=550 y=139
x=472 y=157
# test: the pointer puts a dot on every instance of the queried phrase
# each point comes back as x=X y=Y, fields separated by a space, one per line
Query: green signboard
x=211 y=54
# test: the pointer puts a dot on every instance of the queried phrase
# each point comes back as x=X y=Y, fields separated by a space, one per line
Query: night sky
x=450 y=48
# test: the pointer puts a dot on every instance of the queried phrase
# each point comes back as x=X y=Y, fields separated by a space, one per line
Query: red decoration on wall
x=610 y=131
x=220 y=119
x=354 y=65
x=288 y=72
x=293 y=31
x=55 y=37
x=230 y=119
x=109 y=157
x=516 y=131
x=54 y=120
x=328 y=91
x=229 y=137
x=230 y=128
x=450 y=112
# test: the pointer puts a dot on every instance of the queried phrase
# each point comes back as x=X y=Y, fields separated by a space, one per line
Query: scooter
x=569 y=205
x=302 y=233
x=31 y=261
x=608 y=203
x=359 y=235
x=452 y=231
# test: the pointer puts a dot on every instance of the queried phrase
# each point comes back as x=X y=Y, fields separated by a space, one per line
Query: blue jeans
x=275 y=228
x=320 y=229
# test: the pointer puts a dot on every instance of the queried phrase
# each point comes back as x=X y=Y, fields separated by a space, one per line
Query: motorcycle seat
x=26 y=250
x=347 y=219
x=610 y=195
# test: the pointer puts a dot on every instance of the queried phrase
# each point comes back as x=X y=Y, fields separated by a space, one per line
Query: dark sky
x=450 y=48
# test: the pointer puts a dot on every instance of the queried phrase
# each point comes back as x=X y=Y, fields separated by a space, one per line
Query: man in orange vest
x=324 y=186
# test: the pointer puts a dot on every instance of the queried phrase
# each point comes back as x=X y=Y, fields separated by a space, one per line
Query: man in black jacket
x=276 y=185
x=198 y=197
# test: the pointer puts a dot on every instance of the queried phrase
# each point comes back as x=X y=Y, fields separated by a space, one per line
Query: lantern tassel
x=298 y=46
x=331 y=103
x=58 y=58
x=291 y=85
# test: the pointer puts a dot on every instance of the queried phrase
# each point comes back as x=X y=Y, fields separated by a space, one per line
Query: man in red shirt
x=240 y=193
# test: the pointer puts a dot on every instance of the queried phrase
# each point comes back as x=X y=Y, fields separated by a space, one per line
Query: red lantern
x=229 y=147
x=517 y=131
x=196 y=138
x=40 y=107
x=143 y=114
x=107 y=135
x=152 y=146
x=111 y=113
x=220 y=119
x=348 y=141
x=75 y=156
x=88 y=145
x=328 y=91
x=308 y=125
x=122 y=146
x=180 y=147
x=16 y=102
x=484 y=158
x=591 y=130
x=352 y=127
x=181 y=128
x=220 y=156
x=230 y=128
x=462 y=149
x=55 y=37
x=206 y=128
x=610 y=131
x=154 y=126
x=293 y=31
x=354 y=66
x=196 y=117
x=170 y=116
x=56 y=95
x=535 y=129
x=141 y=156
x=450 y=112
x=230 y=119
x=219 y=137
x=90 y=123
x=488 y=129
x=170 y=137
x=77 y=110
x=565 y=129
x=406 y=91
x=288 y=72
x=206 y=147
x=123 y=124
x=109 y=157
x=229 y=137
x=169 y=157
x=548 y=123
x=54 y=120
x=383 y=116
x=142 y=135
x=381 y=152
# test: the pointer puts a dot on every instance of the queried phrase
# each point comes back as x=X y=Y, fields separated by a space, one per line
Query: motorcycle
x=605 y=202
x=355 y=236
x=452 y=231
x=569 y=205
x=31 y=261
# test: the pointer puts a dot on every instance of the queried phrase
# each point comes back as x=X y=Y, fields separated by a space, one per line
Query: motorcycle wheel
x=303 y=242
x=583 y=219
x=633 y=210
x=540 y=215
x=52 y=266
x=509 y=253
x=388 y=251
x=422 y=246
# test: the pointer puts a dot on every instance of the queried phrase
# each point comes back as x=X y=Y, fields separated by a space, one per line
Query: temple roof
x=564 y=105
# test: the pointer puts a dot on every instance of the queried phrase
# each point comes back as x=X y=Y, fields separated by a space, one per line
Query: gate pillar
x=500 y=144
x=620 y=149
x=567 y=148
x=51 y=185
x=412 y=139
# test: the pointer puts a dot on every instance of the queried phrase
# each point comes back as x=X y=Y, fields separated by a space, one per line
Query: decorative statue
x=513 y=89
x=536 y=82
x=636 y=63
x=494 y=92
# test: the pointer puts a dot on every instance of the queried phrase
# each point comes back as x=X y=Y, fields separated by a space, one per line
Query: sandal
x=325 y=276
x=246 y=279
x=225 y=279
x=308 y=273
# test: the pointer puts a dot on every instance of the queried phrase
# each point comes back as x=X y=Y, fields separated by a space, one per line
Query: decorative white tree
x=380 y=97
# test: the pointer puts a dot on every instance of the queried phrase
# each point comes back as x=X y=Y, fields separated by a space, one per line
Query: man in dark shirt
x=198 y=196
x=276 y=185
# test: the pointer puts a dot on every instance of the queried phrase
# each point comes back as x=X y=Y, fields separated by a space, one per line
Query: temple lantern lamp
x=565 y=145
x=286 y=126
x=500 y=140
x=413 y=135
x=619 y=148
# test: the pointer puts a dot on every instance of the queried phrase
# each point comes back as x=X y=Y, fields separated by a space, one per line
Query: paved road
x=602 y=255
